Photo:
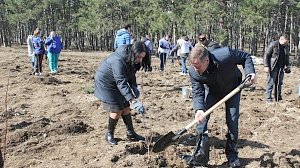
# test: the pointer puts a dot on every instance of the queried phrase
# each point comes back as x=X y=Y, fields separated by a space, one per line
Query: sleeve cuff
x=128 y=97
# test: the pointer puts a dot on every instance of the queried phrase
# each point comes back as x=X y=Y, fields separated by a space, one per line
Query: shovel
x=165 y=141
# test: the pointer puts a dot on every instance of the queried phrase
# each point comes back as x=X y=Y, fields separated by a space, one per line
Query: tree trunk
x=291 y=33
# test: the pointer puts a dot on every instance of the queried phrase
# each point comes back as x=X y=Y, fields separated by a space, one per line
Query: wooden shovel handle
x=228 y=96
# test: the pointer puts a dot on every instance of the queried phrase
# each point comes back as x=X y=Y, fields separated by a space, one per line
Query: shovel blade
x=163 y=142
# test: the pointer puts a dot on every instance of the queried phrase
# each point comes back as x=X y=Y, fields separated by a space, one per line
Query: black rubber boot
x=200 y=156
x=130 y=131
x=231 y=151
x=109 y=137
x=1 y=160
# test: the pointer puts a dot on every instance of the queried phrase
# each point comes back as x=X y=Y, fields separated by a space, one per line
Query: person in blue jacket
x=213 y=75
x=116 y=87
x=123 y=36
x=39 y=50
x=54 y=48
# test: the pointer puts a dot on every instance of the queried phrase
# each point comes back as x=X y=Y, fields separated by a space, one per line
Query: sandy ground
x=56 y=121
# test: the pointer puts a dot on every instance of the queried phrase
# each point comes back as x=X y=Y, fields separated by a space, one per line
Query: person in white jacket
x=183 y=47
x=30 y=49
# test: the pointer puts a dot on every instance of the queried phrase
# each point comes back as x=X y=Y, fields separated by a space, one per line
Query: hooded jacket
x=122 y=38
x=114 y=78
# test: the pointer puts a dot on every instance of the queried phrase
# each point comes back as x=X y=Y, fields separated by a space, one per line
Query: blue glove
x=138 y=106
x=136 y=91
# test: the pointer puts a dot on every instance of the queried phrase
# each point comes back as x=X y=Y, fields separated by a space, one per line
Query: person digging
x=213 y=75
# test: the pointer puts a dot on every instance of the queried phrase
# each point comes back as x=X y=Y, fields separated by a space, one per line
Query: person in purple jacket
x=54 y=48
x=39 y=50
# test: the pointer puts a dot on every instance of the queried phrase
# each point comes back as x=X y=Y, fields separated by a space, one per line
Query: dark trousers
x=150 y=59
x=232 y=113
x=148 y=67
x=38 y=59
x=232 y=119
x=163 y=58
x=275 y=77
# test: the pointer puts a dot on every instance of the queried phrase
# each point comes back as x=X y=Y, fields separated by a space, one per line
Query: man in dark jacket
x=213 y=75
x=276 y=61
x=115 y=87
x=205 y=42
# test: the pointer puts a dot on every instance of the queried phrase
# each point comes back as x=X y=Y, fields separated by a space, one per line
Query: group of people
x=213 y=73
x=38 y=47
x=181 y=49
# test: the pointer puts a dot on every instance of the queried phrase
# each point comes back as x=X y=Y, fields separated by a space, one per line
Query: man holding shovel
x=214 y=75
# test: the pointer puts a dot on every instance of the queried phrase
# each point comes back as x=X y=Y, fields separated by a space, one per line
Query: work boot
x=109 y=137
x=200 y=156
x=231 y=151
x=278 y=98
x=130 y=131
x=1 y=160
x=234 y=163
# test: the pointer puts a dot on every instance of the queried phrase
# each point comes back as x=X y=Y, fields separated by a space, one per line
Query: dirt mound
x=77 y=71
x=23 y=131
x=70 y=127
x=48 y=80
x=51 y=81
x=276 y=159
x=20 y=125
x=44 y=127
x=136 y=148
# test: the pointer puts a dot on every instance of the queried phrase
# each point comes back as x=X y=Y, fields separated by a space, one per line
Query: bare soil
x=56 y=121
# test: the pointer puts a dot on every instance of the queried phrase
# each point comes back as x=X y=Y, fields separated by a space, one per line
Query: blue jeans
x=183 y=65
x=163 y=59
x=275 y=77
x=232 y=117
x=53 y=62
